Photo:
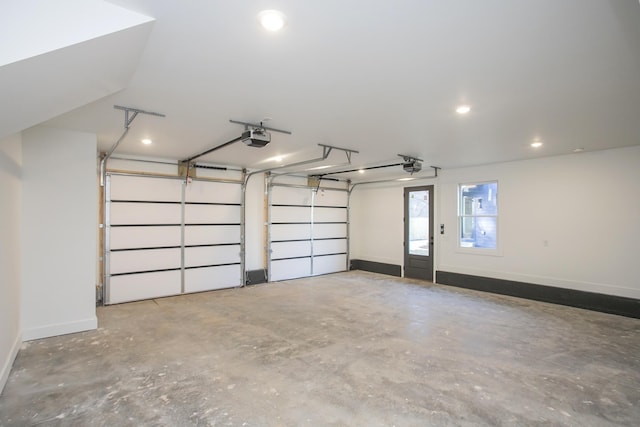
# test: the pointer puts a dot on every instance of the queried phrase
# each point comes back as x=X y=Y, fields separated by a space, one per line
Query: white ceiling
x=381 y=77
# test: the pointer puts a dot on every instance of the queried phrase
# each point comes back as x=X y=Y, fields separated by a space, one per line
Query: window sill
x=479 y=251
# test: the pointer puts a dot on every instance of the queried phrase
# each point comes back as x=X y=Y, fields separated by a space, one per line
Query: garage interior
x=356 y=214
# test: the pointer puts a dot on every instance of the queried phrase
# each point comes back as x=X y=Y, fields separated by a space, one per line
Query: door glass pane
x=419 y=223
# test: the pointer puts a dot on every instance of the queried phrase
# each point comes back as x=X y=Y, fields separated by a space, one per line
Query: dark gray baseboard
x=376 y=267
x=255 y=277
x=612 y=304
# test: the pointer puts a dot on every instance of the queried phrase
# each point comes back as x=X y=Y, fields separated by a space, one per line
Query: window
x=478 y=215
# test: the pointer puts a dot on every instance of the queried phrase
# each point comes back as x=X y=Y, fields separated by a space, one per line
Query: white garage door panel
x=324 y=231
x=216 y=192
x=210 y=278
x=290 y=269
x=290 y=232
x=144 y=237
x=198 y=214
x=329 y=214
x=206 y=234
x=290 y=249
x=133 y=287
x=145 y=260
x=145 y=213
x=290 y=214
x=329 y=264
x=144 y=188
x=208 y=255
x=331 y=198
x=290 y=196
x=321 y=247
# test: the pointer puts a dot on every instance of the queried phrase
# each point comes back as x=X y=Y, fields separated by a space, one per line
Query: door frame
x=408 y=270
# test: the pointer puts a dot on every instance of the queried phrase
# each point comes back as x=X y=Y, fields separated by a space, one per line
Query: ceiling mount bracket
x=134 y=112
x=129 y=115
x=259 y=126
x=326 y=149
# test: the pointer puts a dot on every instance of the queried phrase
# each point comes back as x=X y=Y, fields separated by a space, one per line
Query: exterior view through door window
x=419 y=223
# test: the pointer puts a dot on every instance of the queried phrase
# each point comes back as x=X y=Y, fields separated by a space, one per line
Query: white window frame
x=497 y=251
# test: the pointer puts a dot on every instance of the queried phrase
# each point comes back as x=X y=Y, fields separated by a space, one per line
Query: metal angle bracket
x=326 y=149
x=260 y=126
x=407 y=158
x=131 y=113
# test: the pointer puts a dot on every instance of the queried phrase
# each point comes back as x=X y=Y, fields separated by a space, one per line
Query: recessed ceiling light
x=578 y=150
x=272 y=20
x=536 y=144
x=463 y=109
x=361 y=170
x=147 y=141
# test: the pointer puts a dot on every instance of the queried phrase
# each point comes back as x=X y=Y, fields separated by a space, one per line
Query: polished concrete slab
x=350 y=349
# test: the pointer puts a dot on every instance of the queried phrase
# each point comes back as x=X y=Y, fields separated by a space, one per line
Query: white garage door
x=167 y=238
x=307 y=230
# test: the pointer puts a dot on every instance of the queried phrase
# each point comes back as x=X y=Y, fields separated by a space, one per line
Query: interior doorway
x=418 y=232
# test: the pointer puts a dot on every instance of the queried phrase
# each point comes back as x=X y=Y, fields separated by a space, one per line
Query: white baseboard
x=8 y=362
x=60 y=329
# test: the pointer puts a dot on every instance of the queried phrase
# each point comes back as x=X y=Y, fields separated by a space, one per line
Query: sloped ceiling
x=58 y=56
x=375 y=76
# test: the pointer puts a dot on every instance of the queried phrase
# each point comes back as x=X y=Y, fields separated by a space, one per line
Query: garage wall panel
x=329 y=264
x=299 y=249
x=211 y=213
x=330 y=246
x=211 y=278
x=134 y=287
x=213 y=192
x=290 y=214
x=327 y=231
x=165 y=237
x=280 y=232
x=139 y=188
x=131 y=261
x=307 y=229
x=326 y=197
x=144 y=237
x=209 y=234
x=290 y=269
x=145 y=213
x=334 y=214
x=209 y=255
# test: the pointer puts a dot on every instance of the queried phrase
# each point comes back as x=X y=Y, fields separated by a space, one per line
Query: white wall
x=585 y=206
x=59 y=220
x=10 y=207
x=376 y=227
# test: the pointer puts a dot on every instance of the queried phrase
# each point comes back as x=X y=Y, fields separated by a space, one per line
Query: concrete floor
x=351 y=349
